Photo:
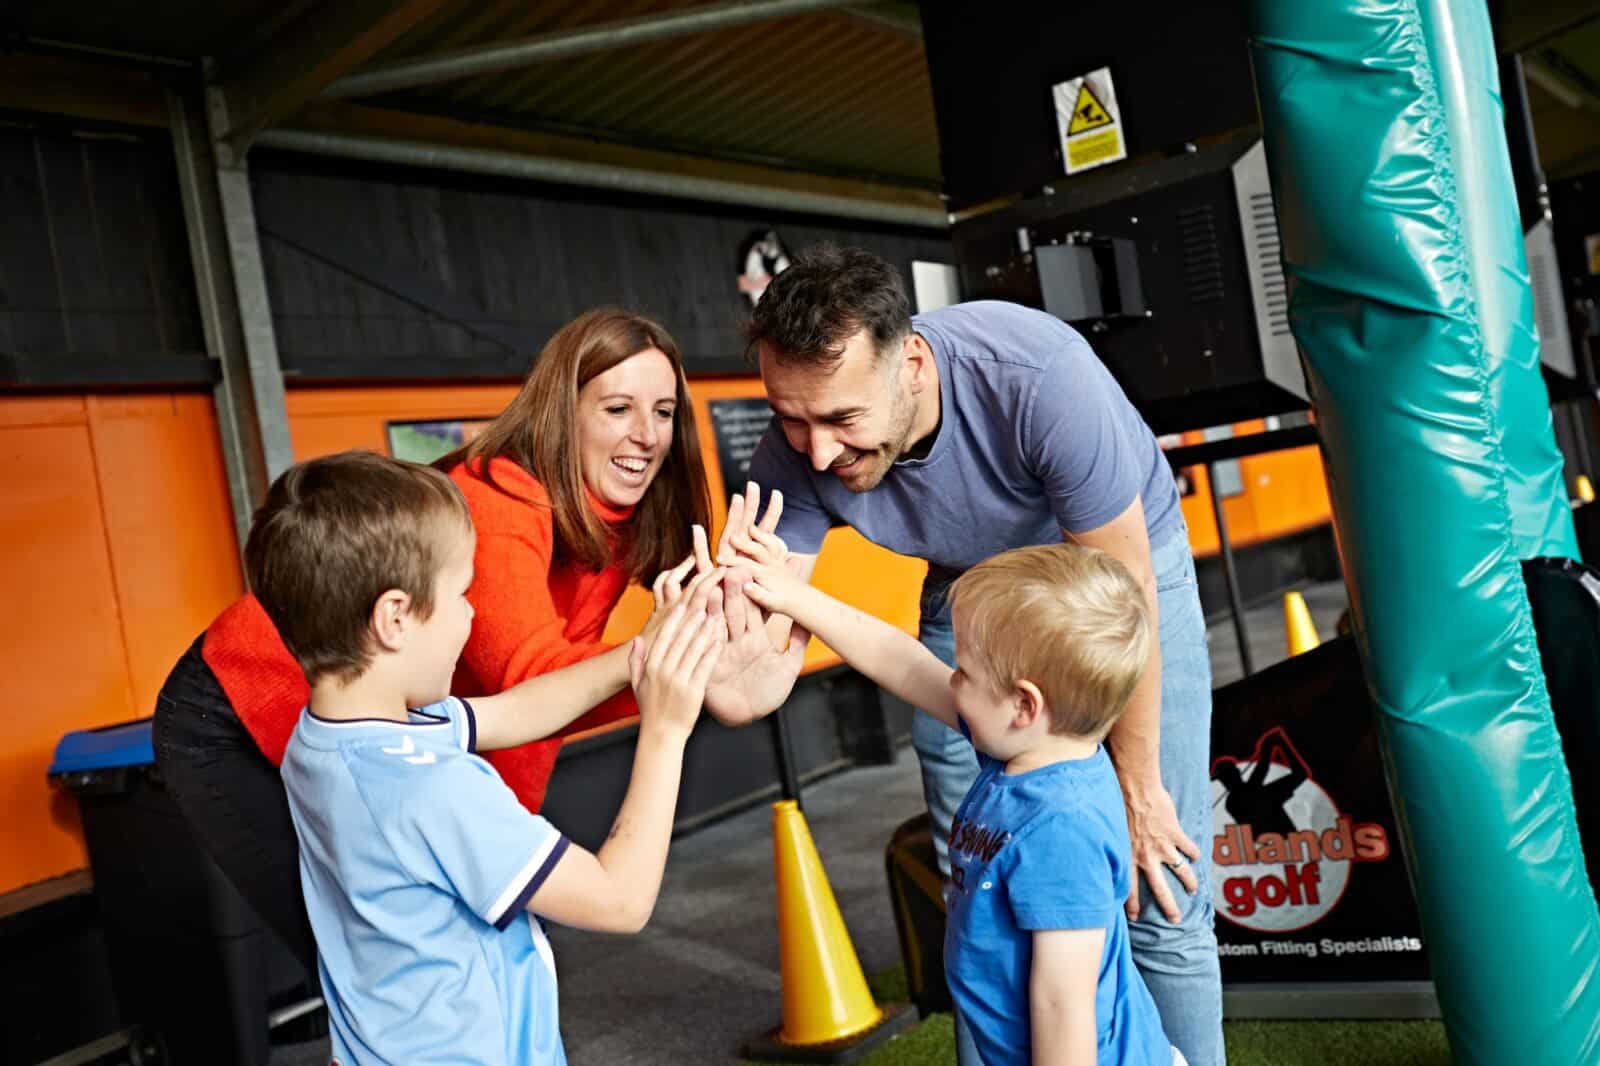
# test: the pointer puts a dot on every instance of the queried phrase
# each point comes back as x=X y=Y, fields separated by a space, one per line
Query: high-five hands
x=751 y=677
x=671 y=666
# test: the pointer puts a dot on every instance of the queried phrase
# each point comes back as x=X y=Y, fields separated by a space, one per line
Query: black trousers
x=233 y=799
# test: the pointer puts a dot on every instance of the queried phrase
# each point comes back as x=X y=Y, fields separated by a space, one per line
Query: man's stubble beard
x=886 y=454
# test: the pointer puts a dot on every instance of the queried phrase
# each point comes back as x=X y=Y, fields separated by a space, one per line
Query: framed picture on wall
x=423 y=442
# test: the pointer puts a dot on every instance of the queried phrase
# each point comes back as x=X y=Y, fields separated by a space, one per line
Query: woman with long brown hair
x=590 y=479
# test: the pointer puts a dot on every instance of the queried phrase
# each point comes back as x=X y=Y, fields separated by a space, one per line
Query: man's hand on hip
x=1159 y=844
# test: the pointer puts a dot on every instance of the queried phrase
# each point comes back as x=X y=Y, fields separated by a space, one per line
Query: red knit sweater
x=533 y=615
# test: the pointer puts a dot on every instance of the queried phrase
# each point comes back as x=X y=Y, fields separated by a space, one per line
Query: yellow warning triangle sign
x=1087 y=113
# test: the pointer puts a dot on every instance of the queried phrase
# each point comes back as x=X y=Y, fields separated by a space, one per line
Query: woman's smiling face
x=625 y=422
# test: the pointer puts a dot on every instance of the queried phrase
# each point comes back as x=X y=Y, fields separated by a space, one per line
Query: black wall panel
x=394 y=272
x=94 y=260
x=374 y=272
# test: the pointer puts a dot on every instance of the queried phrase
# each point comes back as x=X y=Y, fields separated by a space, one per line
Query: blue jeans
x=1179 y=962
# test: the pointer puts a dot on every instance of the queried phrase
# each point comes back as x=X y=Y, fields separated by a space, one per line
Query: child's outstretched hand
x=771 y=586
x=758 y=545
x=669 y=677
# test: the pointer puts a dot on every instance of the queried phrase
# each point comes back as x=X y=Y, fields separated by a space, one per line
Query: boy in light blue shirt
x=1050 y=642
x=422 y=871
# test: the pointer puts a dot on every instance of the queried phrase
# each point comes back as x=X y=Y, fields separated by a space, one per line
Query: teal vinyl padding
x=1411 y=304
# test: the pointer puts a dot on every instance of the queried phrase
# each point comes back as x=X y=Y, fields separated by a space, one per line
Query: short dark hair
x=334 y=534
x=826 y=296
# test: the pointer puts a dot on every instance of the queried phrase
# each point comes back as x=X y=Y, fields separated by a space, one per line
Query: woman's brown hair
x=538 y=431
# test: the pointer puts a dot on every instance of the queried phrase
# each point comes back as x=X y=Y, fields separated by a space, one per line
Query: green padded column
x=1410 y=300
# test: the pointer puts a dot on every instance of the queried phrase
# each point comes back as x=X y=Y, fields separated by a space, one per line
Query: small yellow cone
x=1297 y=627
x=825 y=995
x=1583 y=489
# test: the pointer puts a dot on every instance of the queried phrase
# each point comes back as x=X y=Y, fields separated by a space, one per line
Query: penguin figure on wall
x=762 y=257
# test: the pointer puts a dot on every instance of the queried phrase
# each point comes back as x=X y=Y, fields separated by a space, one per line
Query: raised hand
x=770 y=585
x=758 y=546
x=670 y=677
x=669 y=590
x=752 y=678
x=738 y=532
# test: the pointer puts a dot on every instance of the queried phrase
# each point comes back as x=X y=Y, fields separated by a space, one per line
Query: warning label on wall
x=1089 y=121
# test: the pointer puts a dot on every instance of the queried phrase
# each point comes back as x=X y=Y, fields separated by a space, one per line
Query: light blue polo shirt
x=1035 y=437
x=418 y=863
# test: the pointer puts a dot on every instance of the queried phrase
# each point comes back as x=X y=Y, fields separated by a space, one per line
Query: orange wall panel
x=327 y=420
x=169 y=525
x=61 y=637
x=118 y=549
x=1284 y=493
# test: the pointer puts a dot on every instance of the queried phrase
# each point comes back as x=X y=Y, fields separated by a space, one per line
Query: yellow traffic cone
x=828 y=1012
x=1297 y=627
x=1583 y=488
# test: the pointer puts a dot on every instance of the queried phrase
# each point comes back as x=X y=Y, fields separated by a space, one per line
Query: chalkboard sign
x=738 y=425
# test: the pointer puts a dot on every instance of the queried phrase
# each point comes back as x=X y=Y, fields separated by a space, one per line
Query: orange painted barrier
x=117 y=546
x=1284 y=493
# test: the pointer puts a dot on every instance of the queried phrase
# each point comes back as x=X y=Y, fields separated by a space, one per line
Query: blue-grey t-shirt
x=1035 y=437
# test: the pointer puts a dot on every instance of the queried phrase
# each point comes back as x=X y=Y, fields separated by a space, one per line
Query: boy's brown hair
x=1068 y=618
x=334 y=534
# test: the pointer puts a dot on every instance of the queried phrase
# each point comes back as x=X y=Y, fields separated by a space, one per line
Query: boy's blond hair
x=1068 y=618
x=334 y=534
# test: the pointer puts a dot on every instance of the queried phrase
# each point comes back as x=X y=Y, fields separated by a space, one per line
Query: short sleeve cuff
x=470 y=725
x=515 y=899
x=1088 y=521
x=1034 y=918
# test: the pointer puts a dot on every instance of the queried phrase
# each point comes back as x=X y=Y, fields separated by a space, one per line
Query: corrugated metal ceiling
x=824 y=92
x=829 y=92
x=841 y=92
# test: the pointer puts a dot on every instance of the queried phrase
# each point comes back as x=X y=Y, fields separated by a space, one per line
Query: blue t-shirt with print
x=1045 y=849
x=418 y=863
x=1035 y=437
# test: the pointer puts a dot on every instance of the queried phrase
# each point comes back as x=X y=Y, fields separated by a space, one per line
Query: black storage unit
x=916 y=892
x=1182 y=73
x=1172 y=271
x=191 y=962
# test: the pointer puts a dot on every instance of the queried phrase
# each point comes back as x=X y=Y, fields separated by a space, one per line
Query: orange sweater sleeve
x=518 y=632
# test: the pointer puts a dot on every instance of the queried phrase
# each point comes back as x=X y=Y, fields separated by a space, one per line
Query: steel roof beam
x=302 y=58
x=564 y=44
x=904 y=20
x=604 y=176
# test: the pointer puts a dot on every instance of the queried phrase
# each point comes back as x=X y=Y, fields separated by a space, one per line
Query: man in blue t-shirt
x=961 y=433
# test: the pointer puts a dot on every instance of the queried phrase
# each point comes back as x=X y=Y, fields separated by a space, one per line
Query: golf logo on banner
x=1089 y=120
x=1283 y=850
